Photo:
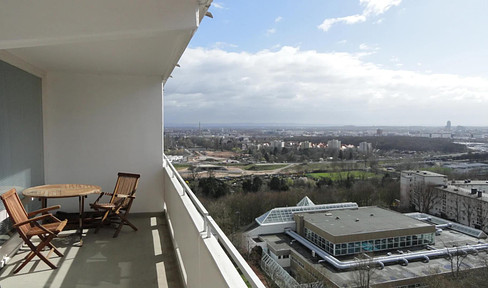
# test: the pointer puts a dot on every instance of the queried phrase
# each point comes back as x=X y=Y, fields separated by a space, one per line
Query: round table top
x=61 y=190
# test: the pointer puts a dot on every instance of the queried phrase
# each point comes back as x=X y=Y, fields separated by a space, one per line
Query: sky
x=335 y=62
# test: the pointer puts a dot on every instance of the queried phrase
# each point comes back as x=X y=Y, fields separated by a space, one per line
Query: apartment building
x=464 y=202
x=365 y=147
x=411 y=182
x=334 y=144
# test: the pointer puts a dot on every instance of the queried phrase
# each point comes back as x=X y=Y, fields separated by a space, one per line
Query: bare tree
x=468 y=208
x=482 y=214
x=457 y=213
x=456 y=260
x=193 y=172
x=425 y=197
x=364 y=271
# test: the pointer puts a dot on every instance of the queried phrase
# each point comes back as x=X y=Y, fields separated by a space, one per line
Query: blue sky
x=335 y=62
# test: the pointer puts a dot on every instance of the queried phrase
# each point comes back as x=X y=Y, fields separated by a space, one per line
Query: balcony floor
x=144 y=258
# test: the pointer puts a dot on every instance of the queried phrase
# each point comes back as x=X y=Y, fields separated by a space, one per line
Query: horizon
x=295 y=125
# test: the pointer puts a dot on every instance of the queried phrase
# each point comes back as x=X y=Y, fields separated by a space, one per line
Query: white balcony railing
x=205 y=255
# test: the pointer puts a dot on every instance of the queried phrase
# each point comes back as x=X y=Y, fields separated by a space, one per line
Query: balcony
x=81 y=98
x=144 y=258
x=180 y=247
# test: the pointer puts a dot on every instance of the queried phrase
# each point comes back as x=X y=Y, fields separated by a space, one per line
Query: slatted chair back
x=15 y=210
x=126 y=185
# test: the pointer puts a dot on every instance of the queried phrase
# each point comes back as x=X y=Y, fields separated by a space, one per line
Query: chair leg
x=123 y=221
x=37 y=251
x=102 y=221
x=53 y=248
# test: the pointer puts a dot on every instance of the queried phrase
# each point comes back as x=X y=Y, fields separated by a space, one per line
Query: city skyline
x=333 y=63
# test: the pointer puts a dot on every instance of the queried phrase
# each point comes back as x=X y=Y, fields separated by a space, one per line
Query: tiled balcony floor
x=144 y=258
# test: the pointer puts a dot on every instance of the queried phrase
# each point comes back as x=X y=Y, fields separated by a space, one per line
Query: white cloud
x=347 y=20
x=222 y=45
x=366 y=47
x=270 y=31
x=217 y=5
x=378 y=7
x=278 y=19
x=372 y=8
x=295 y=86
x=394 y=59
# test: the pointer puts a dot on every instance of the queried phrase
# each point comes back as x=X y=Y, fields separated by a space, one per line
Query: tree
x=469 y=206
x=457 y=262
x=425 y=197
x=213 y=187
x=193 y=172
x=364 y=271
x=252 y=185
x=256 y=184
x=278 y=184
x=247 y=185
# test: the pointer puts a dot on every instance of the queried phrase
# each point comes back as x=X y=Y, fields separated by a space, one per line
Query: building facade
x=412 y=183
x=334 y=144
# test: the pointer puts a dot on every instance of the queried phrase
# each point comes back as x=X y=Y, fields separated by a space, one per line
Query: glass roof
x=305 y=202
x=455 y=226
x=285 y=214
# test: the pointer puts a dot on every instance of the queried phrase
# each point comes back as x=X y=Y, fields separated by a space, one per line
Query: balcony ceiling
x=111 y=36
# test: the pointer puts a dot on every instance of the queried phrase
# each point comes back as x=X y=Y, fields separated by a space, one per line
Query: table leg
x=81 y=215
x=43 y=202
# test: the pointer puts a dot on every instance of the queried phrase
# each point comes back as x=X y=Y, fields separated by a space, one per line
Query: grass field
x=334 y=176
x=255 y=167
x=181 y=166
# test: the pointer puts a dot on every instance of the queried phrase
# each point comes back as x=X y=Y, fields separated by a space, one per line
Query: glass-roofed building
x=278 y=219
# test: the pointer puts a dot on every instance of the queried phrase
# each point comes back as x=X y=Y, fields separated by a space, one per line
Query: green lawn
x=259 y=167
x=181 y=166
x=334 y=176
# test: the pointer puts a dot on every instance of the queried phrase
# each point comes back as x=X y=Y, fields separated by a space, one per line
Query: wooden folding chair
x=27 y=228
x=120 y=202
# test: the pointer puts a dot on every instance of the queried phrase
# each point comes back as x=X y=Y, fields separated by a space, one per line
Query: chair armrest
x=100 y=197
x=30 y=214
x=125 y=196
x=61 y=224
x=107 y=193
x=35 y=219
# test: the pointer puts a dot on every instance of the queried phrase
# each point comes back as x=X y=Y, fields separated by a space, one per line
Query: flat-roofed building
x=349 y=232
x=332 y=247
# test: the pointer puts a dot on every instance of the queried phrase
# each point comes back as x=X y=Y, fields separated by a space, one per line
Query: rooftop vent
x=337 y=218
x=371 y=214
x=357 y=219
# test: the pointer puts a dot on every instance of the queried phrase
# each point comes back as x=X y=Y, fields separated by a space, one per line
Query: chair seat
x=103 y=205
x=53 y=227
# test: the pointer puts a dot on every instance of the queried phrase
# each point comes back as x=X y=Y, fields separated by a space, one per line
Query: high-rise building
x=334 y=144
x=365 y=147
x=448 y=125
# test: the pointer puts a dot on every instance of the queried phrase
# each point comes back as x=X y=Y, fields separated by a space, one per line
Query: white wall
x=201 y=259
x=97 y=125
